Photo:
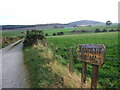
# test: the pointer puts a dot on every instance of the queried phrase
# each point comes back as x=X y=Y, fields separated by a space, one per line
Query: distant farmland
x=50 y=32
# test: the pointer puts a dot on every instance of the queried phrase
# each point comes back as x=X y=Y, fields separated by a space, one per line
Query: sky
x=30 y=12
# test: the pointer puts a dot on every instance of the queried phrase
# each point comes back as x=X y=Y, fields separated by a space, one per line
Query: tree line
x=55 y=34
x=105 y=30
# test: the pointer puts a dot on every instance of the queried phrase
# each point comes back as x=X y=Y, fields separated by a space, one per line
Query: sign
x=91 y=53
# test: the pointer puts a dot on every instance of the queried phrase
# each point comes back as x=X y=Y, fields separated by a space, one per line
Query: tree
x=97 y=30
x=104 y=30
x=108 y=22
x=58 y=33
x=118 y=29
x=54 y=34
x=112 y=30
x=61 y=33
x=46 y=34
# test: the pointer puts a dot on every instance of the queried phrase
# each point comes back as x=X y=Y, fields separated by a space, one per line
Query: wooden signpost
x=71 y=61
x=93 y=54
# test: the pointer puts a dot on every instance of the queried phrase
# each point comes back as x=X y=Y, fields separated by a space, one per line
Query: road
x=14 y=72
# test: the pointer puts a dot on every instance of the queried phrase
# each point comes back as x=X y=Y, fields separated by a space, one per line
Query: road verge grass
x=46 y=71
x=41 y=75
x=5 y=41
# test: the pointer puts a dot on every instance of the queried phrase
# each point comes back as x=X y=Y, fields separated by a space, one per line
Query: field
x=67 y=30
x=109 y=74
x=51 y=31
x=11 y=33
x=9 y=37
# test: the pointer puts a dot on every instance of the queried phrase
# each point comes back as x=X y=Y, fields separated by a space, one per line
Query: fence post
x=71 y=63
x=83 y=76
x=94 y=79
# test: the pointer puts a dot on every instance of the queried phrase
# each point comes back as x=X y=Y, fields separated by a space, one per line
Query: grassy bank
x=46 y=71
x=41 y=75
x=5 y=41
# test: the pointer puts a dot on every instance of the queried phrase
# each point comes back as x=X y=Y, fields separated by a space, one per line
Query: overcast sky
x=20 y=12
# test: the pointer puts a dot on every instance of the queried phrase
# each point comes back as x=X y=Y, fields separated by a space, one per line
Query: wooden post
x=71 y=60
x=83 y=76
x=94 y=79
x=93 y=54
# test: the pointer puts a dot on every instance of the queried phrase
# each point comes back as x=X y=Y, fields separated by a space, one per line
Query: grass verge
x=41 y=75
x=5 y=41
x=46 y=71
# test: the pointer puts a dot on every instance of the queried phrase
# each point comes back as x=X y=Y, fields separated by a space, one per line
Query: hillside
x=29 y=27
x=50 y=26
x=86 y=22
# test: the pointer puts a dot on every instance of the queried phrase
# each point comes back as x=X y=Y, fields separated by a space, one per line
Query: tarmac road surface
x=14 y=72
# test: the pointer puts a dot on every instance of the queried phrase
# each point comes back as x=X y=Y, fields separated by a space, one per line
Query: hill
x=51 y=26
x=30 y=27
x=86 y=22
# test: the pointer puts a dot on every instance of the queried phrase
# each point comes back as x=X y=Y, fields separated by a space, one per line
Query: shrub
x=97 y=30
x=104 y=30
x=112 y=30
x=54 y=34
x=46 y=34
x=118 y=30
x=60 y=33
x=32 y=37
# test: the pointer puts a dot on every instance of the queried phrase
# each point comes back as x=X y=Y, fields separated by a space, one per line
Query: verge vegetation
x=45 y=69
x=5 y=41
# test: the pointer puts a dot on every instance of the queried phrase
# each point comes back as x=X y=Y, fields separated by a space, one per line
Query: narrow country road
x=14 y=72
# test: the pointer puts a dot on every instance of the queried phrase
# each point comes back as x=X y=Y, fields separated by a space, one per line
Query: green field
x=109 y=73
x=11 y=33
x=67 y=30
x=51 y=31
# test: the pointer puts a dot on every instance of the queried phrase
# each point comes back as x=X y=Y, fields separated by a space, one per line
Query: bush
x=32 y=37
x=112 y=30
x=104 y=30
x=46 y=34
x=60 y=33
x=97 y=30
x=54 y=34
x=118 y=30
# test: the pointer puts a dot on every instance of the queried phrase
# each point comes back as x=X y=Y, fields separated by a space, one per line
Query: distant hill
x=50 y=26
x=30 y=27
x=86 y=22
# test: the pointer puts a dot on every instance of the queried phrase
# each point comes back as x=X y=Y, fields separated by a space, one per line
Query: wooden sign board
x=91 y=53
